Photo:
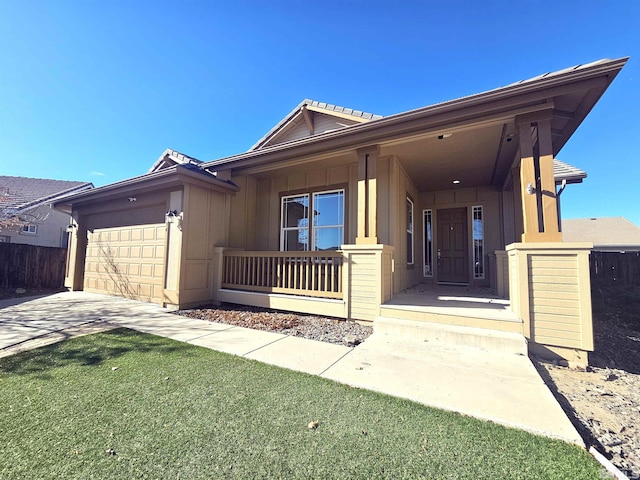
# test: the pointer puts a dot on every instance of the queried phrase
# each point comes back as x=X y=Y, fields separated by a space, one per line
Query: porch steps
x=503 y=320
x=417 y=334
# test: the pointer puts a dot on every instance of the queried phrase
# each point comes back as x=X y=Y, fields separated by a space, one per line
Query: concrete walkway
x=501 y=387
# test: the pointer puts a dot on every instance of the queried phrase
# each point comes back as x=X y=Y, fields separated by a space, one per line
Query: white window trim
x=288 y=229
x=473 y=246
x=311 y=228
x=411 y=231
x=424 y=243
x=29 y=228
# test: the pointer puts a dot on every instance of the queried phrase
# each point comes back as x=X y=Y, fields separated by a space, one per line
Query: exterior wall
x=52 y=232
x=255 y=210
x=550 y=290
x=394 y=185
x=204 y=226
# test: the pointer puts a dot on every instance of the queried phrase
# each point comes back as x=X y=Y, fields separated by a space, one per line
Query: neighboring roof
x=314 y=106
x=21 y=193
x=172 y=157
x=601 y=73
x=606 y=233
x=564 y=171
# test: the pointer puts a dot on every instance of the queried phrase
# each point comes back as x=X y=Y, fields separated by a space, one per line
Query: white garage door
x=126 y=261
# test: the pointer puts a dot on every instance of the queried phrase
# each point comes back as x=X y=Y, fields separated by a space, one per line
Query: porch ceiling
x=475 y=157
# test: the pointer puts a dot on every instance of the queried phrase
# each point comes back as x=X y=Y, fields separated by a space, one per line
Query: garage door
x=126 y=261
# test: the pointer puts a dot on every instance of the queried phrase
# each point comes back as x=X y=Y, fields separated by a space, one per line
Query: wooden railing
x=314 y=274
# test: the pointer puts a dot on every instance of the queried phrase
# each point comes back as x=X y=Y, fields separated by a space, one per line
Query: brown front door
x=453 y=252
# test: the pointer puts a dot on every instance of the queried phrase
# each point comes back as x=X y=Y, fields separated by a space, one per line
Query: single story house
x=608 y=234
x=337 y=212
x=26 y=213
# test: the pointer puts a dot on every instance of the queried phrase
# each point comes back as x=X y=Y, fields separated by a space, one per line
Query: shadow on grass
x=107 y=346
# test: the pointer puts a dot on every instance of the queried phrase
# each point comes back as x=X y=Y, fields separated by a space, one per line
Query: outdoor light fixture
x=70 y=227
x=531 y=189
x=456 y=182
x=132 y=199
x=170 y=215
x=510 y=137
x=442 y=136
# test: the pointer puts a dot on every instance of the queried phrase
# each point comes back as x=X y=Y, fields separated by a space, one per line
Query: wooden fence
x=615 y=267
x=29 y=266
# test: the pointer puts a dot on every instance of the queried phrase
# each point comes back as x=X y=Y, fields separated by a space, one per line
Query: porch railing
x=314 y=274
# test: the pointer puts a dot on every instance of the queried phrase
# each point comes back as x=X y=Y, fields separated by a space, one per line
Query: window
x=30 y=229
x=428 y=243
x=409 y=231
x=324 y=231
x=478 y=243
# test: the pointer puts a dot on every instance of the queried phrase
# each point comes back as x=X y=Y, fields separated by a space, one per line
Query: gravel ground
x=324 y=329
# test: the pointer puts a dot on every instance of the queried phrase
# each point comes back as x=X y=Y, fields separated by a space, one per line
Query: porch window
x=409 y=231
x=478 y=243
x=428 y=243
x=323 y=231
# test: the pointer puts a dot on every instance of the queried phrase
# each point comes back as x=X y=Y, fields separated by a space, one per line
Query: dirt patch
x=603 y=400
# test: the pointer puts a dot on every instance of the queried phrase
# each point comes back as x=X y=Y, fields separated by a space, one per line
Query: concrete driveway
x=501 y=387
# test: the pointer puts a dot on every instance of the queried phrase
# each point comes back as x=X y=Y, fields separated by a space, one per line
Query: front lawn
x=124 y=405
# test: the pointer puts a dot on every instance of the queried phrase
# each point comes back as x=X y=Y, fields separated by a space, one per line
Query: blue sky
x=96 y=90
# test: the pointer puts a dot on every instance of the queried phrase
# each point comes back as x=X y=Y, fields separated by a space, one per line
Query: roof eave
x=168 y=177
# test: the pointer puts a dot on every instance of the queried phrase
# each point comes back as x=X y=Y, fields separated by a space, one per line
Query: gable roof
x=301 y=113
x=606 y=233
x=18 y=194
x=589 y=81
x=172 y=157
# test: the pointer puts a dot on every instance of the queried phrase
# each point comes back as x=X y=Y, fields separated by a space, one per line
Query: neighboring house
x=608 y=234
x=26 y=213
x=337 y=211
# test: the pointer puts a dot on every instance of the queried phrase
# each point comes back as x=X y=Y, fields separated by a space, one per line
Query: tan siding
x=554 y=301
x=364 y=301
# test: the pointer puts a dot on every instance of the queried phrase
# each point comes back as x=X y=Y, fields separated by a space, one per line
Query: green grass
x=175 y=411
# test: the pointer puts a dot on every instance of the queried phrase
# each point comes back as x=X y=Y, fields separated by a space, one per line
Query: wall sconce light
x=531 y=189
x=443 y=136
x=71 y=227
x=170 y=215
x=510 y=137
x=132 y=199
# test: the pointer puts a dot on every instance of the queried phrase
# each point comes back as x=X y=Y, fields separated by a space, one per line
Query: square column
x=537 y=182
x=367 y=196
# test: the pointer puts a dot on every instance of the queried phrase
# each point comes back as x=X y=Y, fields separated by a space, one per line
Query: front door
x=453 y=252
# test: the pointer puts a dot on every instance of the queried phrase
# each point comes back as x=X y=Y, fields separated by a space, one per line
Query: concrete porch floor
x=453 y=300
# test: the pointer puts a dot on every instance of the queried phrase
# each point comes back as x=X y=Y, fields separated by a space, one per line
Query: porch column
x=537 y=183
x=367 y=196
